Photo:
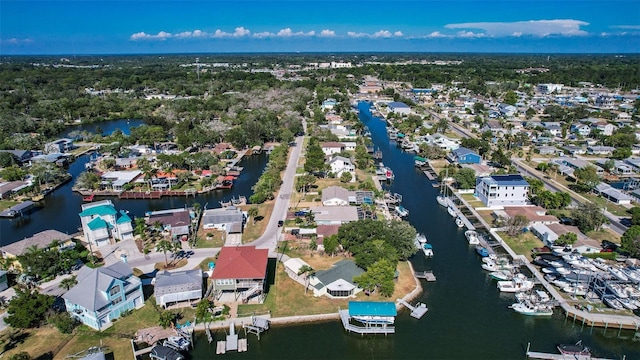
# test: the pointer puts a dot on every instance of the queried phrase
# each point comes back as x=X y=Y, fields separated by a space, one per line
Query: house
x=350 y=145
x=241 y=270
x=116 y=180
x=42 y=240
x=230 y=219
x=101 y=223
x=340 y=164
x=337 y=281
x=22 y=156
x=59 y=146
x=575 y=150
x=581 y=129
x=614 y=195
x=335 y=196
x=604 y=128
x=502 y=190
x=334 y=215
x=177 y=287
x=463 y=155
x=554 y=128
x=494 y=126
x=535 y=214
x=547 y=150
x=8 y=188
x=176 y=221
x=399 y=108
x=332 y=147
x=600 y=150
x=577 y=164
x=103 y=294
x=328 y=104
x=126 y=163
x=546 y=235
x=292 y=267
x=507 y=110
x=549 y=88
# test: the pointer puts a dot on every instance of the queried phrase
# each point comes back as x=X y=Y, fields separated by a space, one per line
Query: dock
x=549 y=356
x=417 y=311
x=459 y=213
x=232 y=342
x=344 y=316
x=427 y=275
x=17 y=210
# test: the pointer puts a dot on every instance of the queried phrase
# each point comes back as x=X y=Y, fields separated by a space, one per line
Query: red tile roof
x=241 y=262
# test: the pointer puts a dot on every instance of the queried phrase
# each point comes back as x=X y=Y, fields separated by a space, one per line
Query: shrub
x=63 y=322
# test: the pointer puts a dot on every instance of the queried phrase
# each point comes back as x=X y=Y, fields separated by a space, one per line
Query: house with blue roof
x=502 y=190
x=102 y=223
x=103 y=295
x=463 y=155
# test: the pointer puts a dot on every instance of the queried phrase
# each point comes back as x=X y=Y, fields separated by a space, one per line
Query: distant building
x=102 y=295
x=59 y=146
x=502 y=190
x=549 y=88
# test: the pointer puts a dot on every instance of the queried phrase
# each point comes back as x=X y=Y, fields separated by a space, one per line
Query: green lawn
x=604 y=203
x=5 y=204
x=521 y=244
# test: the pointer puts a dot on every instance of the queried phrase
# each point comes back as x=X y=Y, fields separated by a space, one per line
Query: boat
x=401 y=211
x=502 y=275
x=427 y=249
x=442 y=200
x=419 y=161
x=177 y=343
x=459 y=222
x=472 y=237
x=482 y=251
x=519 y=283
x=577 y=290
x=612 y=302
x=537 y=296
x=419 y=240
x=628 y=303
x=532 y=309
x=375 y=320
x=88 y=198
x=576 y=350
x=452 y=211
x=618 y=290
x=618 y=274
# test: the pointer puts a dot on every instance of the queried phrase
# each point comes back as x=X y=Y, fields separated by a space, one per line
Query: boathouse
x=369 y=317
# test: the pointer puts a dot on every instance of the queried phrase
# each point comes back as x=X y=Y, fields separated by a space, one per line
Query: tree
x=68 y=283
x=27 y=308
x=510 y=97
x=204 y=311
x=164 y=245
x=345 y=177
x=7 y=159
x=13 y=173
x=442 y=125
x=63 y=322
x=307 y=271
x=588 y=217
x=379 y=274
x=631 y=241
x=166 y=318
x=515 y=224
x=621 y=153
x=23 y=355
x=253 y=213
x=314 y=161
x=466 y=178
x=587 y=177
x=331 y=244
x=566 y=239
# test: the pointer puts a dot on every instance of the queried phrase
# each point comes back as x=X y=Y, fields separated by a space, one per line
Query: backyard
x=521 y=244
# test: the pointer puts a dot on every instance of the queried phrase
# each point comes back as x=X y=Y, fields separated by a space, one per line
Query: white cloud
x=15 y=41
x=398 y=33
x=238 y=32
x=290 y=33
x=630 y=27
x=437 y=34
x=241 y=31
x=264 y=34
x=356 y=35
x=469 y=34
x=162 y=35
x=327 y=33
x=191 y=34
x=381 y=34
x=541 y=28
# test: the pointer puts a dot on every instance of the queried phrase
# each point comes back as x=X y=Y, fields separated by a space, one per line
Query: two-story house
x=101 y=223
x=332 y=147
x=581 y=129
x=240 y=270
x=59 y=146
x=339 y=165
x=502 y=190
x=103 y=295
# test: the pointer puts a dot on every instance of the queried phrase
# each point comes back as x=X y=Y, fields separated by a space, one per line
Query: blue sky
x=146 y=26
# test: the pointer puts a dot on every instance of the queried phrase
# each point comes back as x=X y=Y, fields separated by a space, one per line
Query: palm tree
x=164 y=246
x=68 y=283
x=308 y=272
x=253 y=212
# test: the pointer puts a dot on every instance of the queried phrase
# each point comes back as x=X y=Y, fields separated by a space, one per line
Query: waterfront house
x=59 y=146
x=42 y=240
x=340 y=164
x=8 y=188
x=176 y=221
x=544 y=233
x=332 y=147
x=230 y=219
x=240 y=270
x=535 y=214
x=103 y=295
x=292 y=267
x=335 y=196
x=463 y=155
x=22 y=156
x=334 y=215
x=178 y=287
x=337 y=281
x=101 y=223
x=399 y=108
x=502 y=190
x=116 y=180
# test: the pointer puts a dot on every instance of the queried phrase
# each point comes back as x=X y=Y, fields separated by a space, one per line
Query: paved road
x=273 y=233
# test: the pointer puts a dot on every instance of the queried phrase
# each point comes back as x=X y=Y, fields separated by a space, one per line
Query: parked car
x=606 y=244
x=280 y=223
x=626 y=222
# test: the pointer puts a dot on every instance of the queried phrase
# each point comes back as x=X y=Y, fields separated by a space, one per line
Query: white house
x=335 y=196
x=101 y=223
x=339 y=165
x=604 y=127
x=502 y=190
x=350 y=145
x=581 y=129
x=229 y=219
x=334 y=215
x=545 y=234
x=332 y=147
x=399 y=108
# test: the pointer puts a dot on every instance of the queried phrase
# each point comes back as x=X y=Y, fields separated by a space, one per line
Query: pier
x=17 y=210
x=344 y=316
x=417 y=311
x=549 y=356
x=427 y=275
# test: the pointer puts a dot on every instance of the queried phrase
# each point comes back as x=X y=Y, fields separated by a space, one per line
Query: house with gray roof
x=175 y=221
x=230 y=219
x=335 y=196
x=337 y=281
x=103 y=295
x=612 y=194
x=334 y=215
x=101 y=223
x=42 y=240
x=178 y=287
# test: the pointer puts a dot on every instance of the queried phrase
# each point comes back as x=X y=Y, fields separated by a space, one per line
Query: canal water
x=59 y=210
x=468 y=318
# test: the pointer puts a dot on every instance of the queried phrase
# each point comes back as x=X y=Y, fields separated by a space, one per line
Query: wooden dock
x=427 y=275
x=417 y=311
x=549 y=356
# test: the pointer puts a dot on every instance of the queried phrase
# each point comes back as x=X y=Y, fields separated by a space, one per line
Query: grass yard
x=615 y=209
x=253 y=231
x=5 y=204
x=39 y=343
x=522 y=244
x=604 y=234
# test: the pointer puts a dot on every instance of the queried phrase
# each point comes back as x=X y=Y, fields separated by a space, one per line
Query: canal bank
x=468 y=317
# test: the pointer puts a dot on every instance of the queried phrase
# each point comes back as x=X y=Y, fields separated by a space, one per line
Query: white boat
x=519 y=283
x=452 y=211
x=421 y=239
x=561 y=283
x=538 y=296
x=442 y=200
x=502 y=275
x=618 y=273
x=578 y=290
x=459 y=222
x=618 y=290
x=627 y=303
x=631 y=274
x=600 y=264
x=427 y=249
x=532 y=309
x=472 y=237
x=388 y=320
x=633 y=291
x=402 y=211
x=177 y=343
x=612 y=303
x=563 y=271
x=496 y=265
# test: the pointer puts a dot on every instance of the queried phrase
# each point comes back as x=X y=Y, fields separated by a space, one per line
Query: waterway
x=60 y=209
x=468 y=318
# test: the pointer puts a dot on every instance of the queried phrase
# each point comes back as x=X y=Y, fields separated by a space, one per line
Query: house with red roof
x=241 y=270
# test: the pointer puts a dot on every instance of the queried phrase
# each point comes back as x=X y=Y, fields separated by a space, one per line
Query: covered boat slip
x=376 y=317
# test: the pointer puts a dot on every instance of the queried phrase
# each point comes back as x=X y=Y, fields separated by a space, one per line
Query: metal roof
x=372 y=308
